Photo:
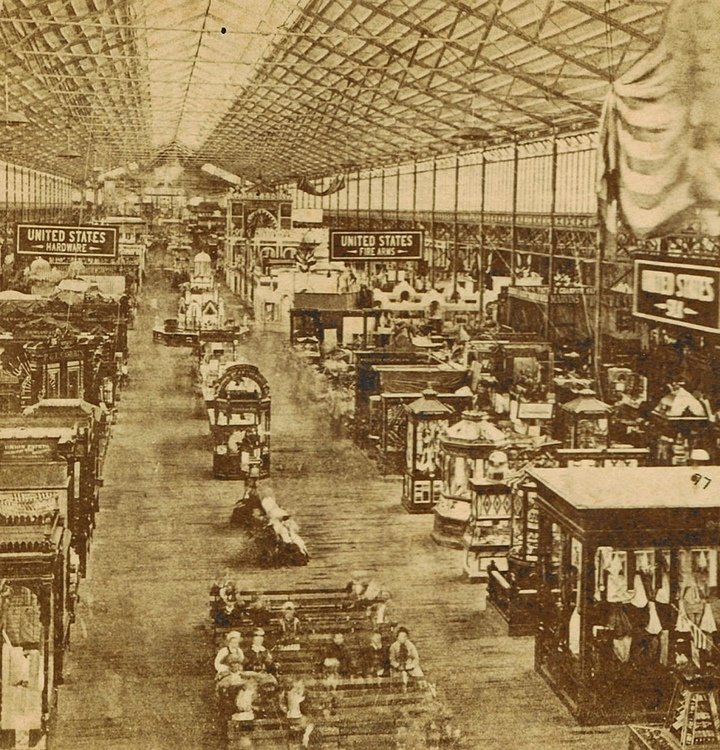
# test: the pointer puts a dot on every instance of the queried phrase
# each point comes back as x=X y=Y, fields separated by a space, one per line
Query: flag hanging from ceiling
x=305 y=258
x=335 y=186
x=659 y=139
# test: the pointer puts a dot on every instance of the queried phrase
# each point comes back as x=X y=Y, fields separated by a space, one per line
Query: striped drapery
x=659 y=140
x=335 y=186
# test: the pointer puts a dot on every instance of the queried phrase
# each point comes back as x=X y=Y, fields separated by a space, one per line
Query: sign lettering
x=26 y=450
x=391 y=245
x=681 y=294
x=55 y=240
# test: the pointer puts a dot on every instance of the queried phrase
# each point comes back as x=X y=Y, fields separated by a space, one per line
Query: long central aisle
x=140 y=672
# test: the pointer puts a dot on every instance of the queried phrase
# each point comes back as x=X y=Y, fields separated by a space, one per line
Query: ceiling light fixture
x=470 y=134
x=11 y=117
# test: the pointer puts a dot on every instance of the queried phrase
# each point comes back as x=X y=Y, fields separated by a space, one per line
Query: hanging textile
x=305 y=258
x=659 y=144
x=21 y=683
x=707 y=621
x=639 y=598
x=654 y=626
x=335 y=186
x=574 y=632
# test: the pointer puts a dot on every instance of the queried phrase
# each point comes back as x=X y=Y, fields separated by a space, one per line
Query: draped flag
x=659 y=139
x=305 y=258
x=335 y=186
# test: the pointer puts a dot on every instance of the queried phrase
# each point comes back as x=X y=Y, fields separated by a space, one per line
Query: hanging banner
x=376 y=245
x=335 y=186
x=55 y=240
x=678 y=294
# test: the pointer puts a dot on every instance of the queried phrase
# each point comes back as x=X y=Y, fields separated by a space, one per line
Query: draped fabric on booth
x=405 y=381
x=659 y=145
x=335 y=186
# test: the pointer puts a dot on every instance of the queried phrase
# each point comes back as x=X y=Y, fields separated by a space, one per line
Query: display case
x=427 y=418
x=84 y=453
x=201 y=274
x=486 y=539
x=239 y=418
x=37 y=607
x=693 y=719
x=585 y=422
x=389 y=424
x=599 y=457
x=627 y=585
x=513 y=592
x=680 y=423
x=465 y=447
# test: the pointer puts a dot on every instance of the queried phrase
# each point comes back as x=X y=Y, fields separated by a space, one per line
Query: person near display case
x=258 y=611
x=290 y=625
x=231 y=649
x=404 y=657
x=378 y=610
x=249 y=503
x=374 y=659
x=228 y=610
x=228 y=681
x=335 y=661
x=258 y=658
x=295 y=706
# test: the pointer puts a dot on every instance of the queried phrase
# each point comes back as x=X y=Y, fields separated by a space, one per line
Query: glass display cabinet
x=465 y=447
x=585 y=422
x=513 y=592
x=427 y=420
x=627 y=585
x=693 y=718
x=486 y=539
x=240 y=423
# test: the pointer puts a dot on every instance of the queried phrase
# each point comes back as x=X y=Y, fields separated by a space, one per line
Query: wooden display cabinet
x=39 y=579
x=627 y=579
x=239 y=418
x=427 y=420
x=85 y=455
x=37 y=605
x=600 y=457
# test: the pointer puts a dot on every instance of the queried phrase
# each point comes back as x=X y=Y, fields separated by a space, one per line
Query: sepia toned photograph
x=359 y=374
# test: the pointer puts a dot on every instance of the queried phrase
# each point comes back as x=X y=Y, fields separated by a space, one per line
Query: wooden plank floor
x=139 y=675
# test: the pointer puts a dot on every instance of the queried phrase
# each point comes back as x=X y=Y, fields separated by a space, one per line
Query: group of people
x=277 y=531
x=400 y=660
x=230 y=609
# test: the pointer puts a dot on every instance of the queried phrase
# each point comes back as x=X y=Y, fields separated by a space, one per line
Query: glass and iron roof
x=276 y=89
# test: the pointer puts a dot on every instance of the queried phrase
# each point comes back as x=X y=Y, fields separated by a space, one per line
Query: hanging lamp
x=9 y=116
x=69 y=152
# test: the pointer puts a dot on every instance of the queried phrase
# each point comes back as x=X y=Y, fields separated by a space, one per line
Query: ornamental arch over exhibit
x=241 y=374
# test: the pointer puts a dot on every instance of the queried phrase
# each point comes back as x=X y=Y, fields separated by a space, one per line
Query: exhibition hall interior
x=359 y=374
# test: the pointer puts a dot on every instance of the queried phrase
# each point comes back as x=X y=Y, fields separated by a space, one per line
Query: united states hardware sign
x=53 y=240
x=678 y=293
x=395 y=245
